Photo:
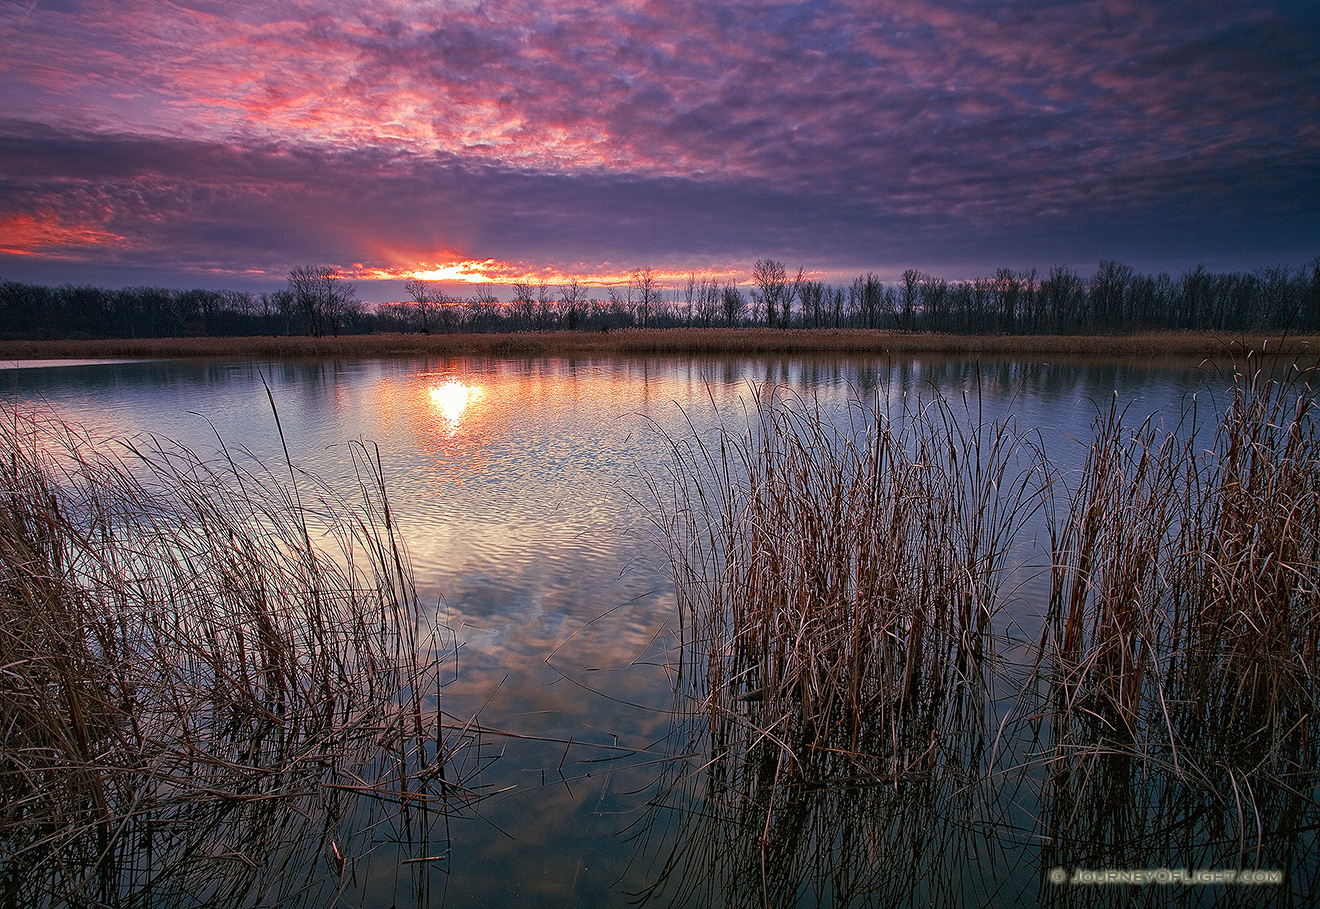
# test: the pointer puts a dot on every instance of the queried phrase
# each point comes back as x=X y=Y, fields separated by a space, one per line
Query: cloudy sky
x=219 y=144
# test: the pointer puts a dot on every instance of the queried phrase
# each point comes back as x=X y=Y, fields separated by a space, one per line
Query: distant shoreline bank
x=674 y=342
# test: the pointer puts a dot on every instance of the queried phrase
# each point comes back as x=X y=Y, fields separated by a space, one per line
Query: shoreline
x=672 y=341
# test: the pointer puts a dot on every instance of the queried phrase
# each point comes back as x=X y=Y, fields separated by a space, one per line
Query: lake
x=522 y=487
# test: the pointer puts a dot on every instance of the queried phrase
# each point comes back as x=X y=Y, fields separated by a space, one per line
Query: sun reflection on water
x=451 y=399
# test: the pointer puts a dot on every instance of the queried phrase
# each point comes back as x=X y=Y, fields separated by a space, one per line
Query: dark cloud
x=846 y=135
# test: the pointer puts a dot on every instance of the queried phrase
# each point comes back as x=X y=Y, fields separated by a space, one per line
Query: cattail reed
x=1186 y=572
x=839 y=579
x=1181 y=640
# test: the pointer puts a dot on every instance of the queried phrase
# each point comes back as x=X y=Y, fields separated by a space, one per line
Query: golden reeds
x=672 y=342
x=199 y=664
x=1187 y=572
x=838 y=578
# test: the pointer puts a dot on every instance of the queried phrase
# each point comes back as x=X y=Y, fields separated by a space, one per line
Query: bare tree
x=794 y=293
x=771 y=280
x=710 y=299
x=868 y=300
x=648 y=292
x=480 y=308
x=935 y=303
x=618 y=311
x=908 y=297
x=1109 y=292
x=836 y=298
x=423 y=296
x=323 y=297
x=1007 y=297
x=543 y=299
x=524 y=303
x=1063 y=295
x=733 y=303
x=571 y=300
x=812 y=295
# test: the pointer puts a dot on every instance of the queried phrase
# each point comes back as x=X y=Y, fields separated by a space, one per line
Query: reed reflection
x=846 y=738
x=838 y=589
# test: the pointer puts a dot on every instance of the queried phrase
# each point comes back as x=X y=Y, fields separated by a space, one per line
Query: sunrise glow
x=470 y=272
x=28 y=235
x=472 y=144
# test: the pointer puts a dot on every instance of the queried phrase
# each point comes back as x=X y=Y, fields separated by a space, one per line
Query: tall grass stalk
x=188 y=649
x=838 y=577
x=838 y=581
x=841 y=578
x=1180 y=652
x=1186 y=594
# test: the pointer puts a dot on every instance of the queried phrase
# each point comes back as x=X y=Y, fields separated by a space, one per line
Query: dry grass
x=1184 y=631
x=677 y=341
x=1192 y=569
x=837 y=582
x=201 y=668
x=837 y=588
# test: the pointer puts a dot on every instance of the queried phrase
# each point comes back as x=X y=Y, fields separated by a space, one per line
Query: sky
x=220 y=144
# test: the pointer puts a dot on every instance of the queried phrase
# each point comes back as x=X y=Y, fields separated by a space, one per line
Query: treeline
x=317 y=301
x=69 y=311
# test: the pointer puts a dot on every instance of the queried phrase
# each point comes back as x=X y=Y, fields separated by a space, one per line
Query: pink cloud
x=48 y=235
x=963 y=116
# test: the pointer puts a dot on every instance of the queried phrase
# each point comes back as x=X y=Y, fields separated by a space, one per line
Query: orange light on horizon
x=494 y=271
x=470 y=272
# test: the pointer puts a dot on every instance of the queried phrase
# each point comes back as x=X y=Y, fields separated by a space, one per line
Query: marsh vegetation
x=873 y=714
x=218 y=685
x=917 y=657
x=711 y=342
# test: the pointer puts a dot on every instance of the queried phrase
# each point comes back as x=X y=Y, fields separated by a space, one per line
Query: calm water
x=520 y=485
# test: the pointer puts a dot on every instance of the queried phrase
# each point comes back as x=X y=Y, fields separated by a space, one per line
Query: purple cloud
x=844 y=135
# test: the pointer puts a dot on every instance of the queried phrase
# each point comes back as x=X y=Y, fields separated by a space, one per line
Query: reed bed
x=673 y=342
x=838 y=581
x=203 y=668
x=1180 y=652
x=1186 y=594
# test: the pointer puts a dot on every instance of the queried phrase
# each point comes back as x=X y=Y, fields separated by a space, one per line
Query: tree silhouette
x=648 y=292
x=772 y=291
